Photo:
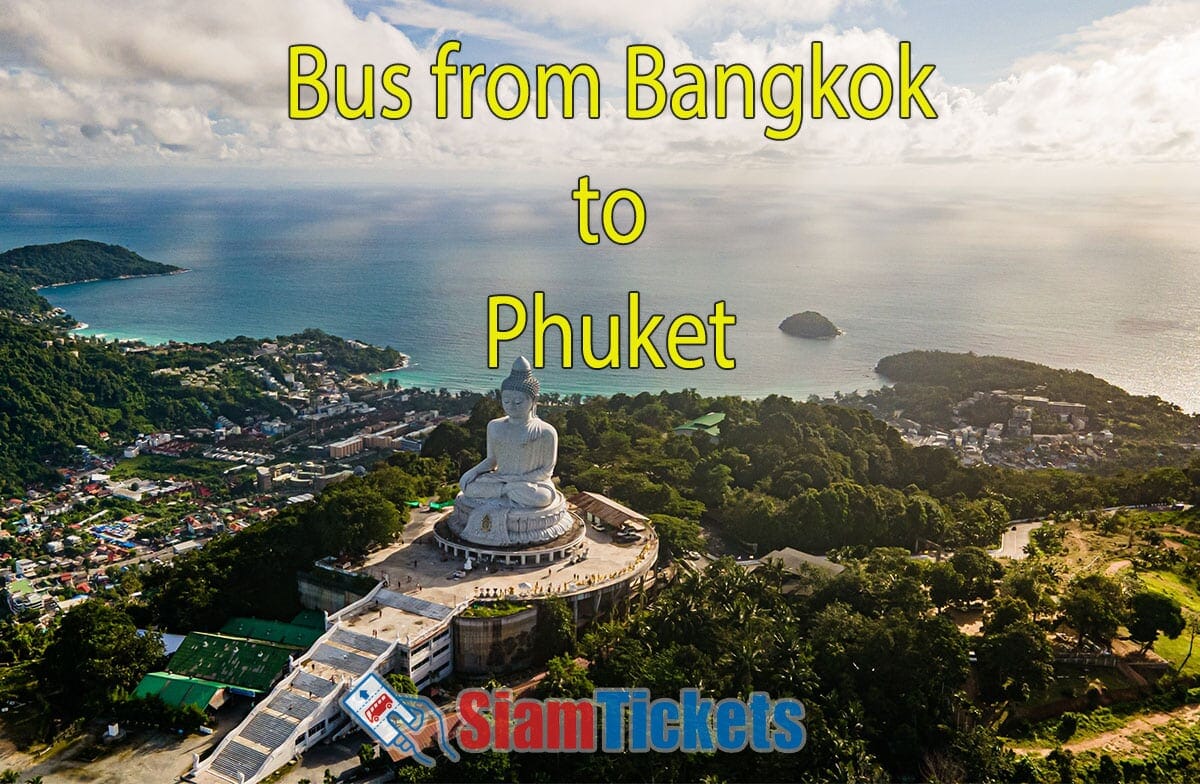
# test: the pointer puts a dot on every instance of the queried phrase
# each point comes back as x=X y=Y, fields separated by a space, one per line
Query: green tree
x=979 y=572
x=1031 y=582
x=95 y=651
x=555 y=628
x=486 y=768
x=1094 y=606
x=401 y=683
x=353 y=517
x=946 y=585
x=20 y=641
x=676 y=534
x=565 y=678
x=1014 y=656
x=1152 y=613
x=394 y=484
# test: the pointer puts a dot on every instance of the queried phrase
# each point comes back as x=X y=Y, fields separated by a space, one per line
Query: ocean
x=1105 y=285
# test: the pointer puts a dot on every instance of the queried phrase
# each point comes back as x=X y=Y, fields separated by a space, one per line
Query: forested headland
x=77 y=260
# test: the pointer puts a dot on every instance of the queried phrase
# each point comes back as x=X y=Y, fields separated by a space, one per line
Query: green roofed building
x=23 y=598
x=313 y=619
x=249 y=666
x=292 y=635
x=709 y=424
x=180 y=690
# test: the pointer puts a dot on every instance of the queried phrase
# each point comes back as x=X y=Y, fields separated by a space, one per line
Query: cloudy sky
x=155 y=89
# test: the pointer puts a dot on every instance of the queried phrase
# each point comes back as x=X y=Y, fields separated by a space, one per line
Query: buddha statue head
x=519 y=391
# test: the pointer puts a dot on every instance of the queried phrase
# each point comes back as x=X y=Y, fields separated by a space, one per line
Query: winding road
x=1014 y=539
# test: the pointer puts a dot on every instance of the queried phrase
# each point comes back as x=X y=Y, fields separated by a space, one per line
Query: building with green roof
x=249 y=666
x=289 y=634
x=23 y=597
x=180 y=690
x=313 y=619
x=709 y=424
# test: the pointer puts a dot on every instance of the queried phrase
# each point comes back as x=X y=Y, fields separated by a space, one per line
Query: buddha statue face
x=516 y=404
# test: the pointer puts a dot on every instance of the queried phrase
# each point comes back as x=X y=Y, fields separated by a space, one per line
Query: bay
x=1106 y=285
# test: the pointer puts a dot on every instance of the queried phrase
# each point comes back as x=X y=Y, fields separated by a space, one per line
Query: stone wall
x=487 y=646
x=330 y=591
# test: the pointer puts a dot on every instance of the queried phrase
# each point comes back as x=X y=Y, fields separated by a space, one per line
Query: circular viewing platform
x=516 y=555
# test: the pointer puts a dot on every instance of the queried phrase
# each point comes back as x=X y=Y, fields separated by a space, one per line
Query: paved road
x=1013 y=541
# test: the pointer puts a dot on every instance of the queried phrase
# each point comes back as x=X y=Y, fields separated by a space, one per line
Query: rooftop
x=709 y=423
x=248 y=664
x=605 y=508
x=794 y=560
x=273 y=631
x=178 y=690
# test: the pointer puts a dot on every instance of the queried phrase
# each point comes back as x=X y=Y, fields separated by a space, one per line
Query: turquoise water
x=1105 y=286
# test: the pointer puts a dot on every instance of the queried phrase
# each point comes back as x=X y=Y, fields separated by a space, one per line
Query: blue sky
x=161 y=90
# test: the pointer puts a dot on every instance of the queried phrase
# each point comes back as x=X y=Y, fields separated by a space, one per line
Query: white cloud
x=445 y=20
x=204 y=82
x=666 y=17
x=1138 y=29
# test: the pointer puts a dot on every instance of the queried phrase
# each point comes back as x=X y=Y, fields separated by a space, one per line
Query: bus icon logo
x=379 y=708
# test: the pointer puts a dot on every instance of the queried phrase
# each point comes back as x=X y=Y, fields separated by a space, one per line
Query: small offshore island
x=809 y=324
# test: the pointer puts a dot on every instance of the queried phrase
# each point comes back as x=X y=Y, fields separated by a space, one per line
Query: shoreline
x=118 y=277
x=405 y=359
x=381 y=377
x=458 y=383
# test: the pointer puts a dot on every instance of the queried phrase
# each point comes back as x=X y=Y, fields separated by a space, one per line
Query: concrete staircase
x=306 y=699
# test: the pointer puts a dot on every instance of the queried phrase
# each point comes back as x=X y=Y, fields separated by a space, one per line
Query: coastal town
x=1031 y=431
x=165 y=493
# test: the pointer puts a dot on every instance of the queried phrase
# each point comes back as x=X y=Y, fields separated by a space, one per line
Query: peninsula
x=78 y=261
x=809 y=324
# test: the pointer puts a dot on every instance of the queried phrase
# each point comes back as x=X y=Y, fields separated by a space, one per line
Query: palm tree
x=745 y=661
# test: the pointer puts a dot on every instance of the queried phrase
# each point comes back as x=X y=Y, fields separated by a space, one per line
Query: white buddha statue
x=510 y=497
x=521 y=448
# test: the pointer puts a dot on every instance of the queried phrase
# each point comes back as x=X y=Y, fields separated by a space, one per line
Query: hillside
x=929 y=383
x=77 y=260
x=16 y=296
x=348 y=356
x=56 y=393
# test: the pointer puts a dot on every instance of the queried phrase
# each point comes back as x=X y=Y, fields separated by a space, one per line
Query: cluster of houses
x=1015 y=442
x=55 y=550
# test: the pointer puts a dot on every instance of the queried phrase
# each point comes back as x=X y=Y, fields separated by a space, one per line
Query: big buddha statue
x=510 y=498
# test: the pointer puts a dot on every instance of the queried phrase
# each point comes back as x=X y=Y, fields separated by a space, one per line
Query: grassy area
x=494 y=610
x=1176 y=650
x=1173 y=585
x=162 y=467
x=1071 y=680
x=1045 y=734
x=1090 y=548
